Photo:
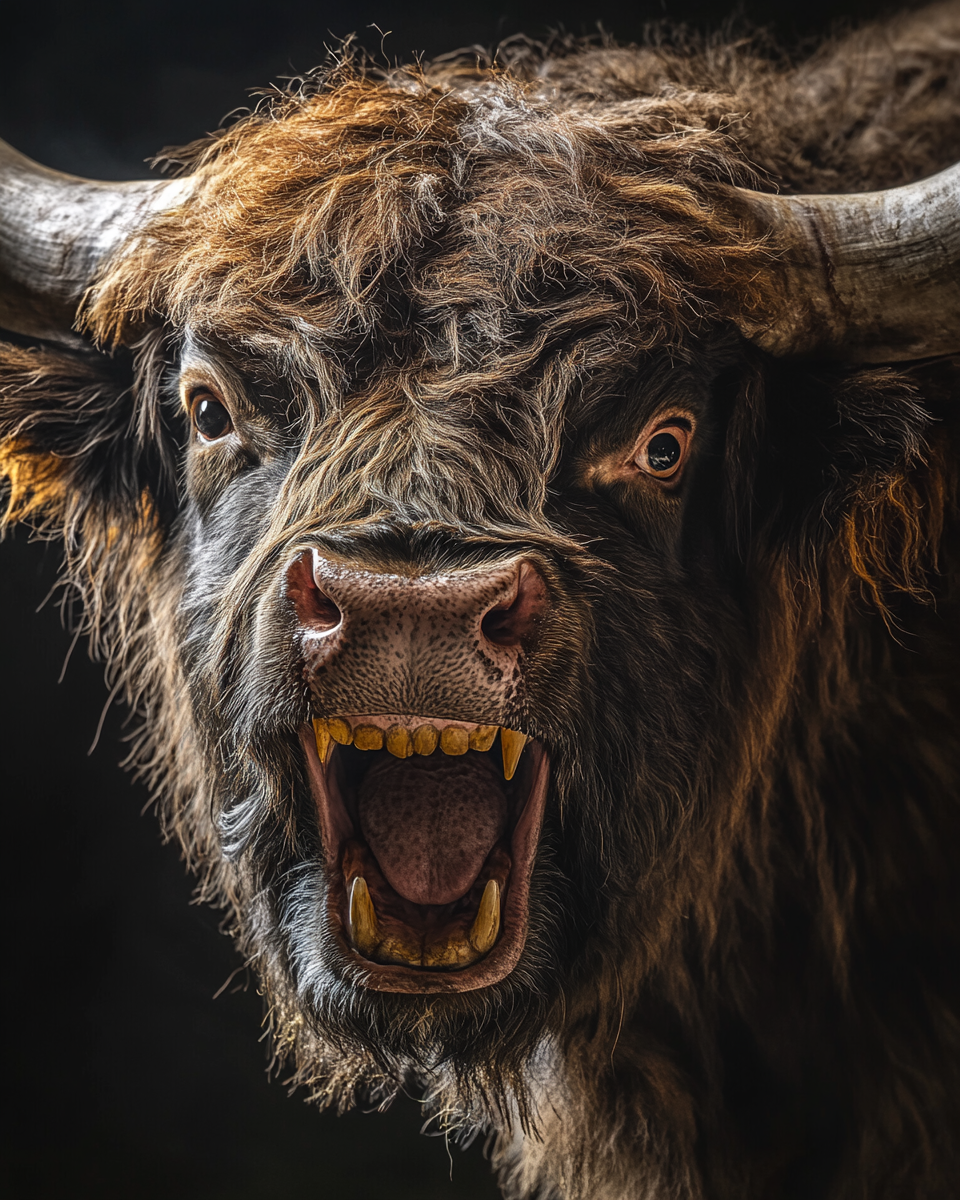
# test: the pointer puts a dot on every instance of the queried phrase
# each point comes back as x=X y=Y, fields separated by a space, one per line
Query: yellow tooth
x=425 y=739
x=324 y=740
x=454 y=740
x=486 y=925
x=399 y=741
x=368 y=737
x=340 y=731
x=455 y=952
x=511 y=744
x=363 y=917
x=482 y=737
x=400 y=953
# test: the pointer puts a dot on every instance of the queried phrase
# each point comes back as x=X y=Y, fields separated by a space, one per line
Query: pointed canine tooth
x=363 y=917
x=454 y=740
x=324 y=740
x=340 y=731
x=482 y=737
x=425 y=739
x=399 y=741
x=511 y=744
x=486 y=924
x=368 y=737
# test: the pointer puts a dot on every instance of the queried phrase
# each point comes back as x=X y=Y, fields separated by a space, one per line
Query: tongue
x=432 y=821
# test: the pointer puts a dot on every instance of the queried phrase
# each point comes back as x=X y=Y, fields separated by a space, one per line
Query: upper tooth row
x=424 y=739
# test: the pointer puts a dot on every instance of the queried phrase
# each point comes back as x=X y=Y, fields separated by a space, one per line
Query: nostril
x=517 y=618
x=314 y=607
x=325 y=615
x=495 y=626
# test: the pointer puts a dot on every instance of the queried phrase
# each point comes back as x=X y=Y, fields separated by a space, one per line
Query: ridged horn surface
x=55 y=232
x=869 y=277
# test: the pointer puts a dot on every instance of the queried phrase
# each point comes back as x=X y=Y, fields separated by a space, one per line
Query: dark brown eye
x=663 y=451
x=210 y=417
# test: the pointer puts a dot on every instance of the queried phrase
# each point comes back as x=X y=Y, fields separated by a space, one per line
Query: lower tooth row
x=402 y=742
x=365 y=931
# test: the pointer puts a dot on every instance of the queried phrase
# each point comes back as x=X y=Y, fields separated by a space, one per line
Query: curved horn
x=56 y=230
x=871 y=277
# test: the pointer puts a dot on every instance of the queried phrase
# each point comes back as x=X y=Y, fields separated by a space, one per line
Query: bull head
x=480 y=503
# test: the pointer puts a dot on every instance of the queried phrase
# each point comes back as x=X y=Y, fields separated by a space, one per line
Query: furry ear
x=83 y=444
x=849 y=462
x=885 y=484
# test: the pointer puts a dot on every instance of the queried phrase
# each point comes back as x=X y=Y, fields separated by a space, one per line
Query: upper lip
x=390 y=942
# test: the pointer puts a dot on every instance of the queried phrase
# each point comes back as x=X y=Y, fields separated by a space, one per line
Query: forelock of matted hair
x=475 y=235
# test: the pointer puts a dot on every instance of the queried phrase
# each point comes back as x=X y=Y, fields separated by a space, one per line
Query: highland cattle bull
x=520 y=501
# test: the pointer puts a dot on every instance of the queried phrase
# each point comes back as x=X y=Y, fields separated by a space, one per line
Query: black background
x=123 y=1076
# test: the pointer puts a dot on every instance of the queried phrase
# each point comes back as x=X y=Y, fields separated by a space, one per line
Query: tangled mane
x=357 y=196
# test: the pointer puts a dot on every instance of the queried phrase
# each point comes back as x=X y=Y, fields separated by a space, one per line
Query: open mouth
x=430 y=829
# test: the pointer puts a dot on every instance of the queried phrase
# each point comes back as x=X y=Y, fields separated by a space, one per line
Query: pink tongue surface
x=432 y=821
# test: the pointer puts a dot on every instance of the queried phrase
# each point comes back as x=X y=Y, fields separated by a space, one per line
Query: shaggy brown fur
x=440 y=298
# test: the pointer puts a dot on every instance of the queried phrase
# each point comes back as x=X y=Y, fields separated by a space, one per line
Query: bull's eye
x=210 y=417
x=663 y=451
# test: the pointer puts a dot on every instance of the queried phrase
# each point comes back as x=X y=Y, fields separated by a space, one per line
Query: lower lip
x=505 y=954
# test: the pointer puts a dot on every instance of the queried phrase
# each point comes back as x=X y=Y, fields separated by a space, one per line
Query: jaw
x=428 y=855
